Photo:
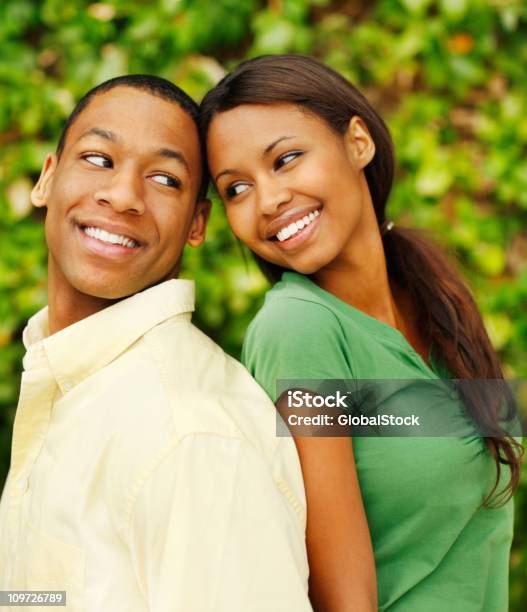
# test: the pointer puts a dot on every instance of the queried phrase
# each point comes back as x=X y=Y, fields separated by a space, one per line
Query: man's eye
x=236 y=189
x=98 y=160
x=287 y=158
x=165 y=179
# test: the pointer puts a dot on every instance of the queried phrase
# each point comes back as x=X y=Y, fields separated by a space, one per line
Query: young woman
x=304 y=166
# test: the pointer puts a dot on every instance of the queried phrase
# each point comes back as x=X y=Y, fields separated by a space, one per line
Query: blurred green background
x=450 y=77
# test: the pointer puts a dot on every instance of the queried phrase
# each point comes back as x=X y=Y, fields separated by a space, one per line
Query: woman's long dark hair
x=446 y=311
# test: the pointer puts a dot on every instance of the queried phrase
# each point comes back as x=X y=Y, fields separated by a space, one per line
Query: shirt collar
x=76 y=352
x=36 y=329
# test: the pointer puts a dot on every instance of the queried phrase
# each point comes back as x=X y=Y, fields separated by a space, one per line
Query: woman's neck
x=363 y=283
x=365 y=287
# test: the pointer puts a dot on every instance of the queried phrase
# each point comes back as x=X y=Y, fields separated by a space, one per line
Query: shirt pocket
x=53 y=565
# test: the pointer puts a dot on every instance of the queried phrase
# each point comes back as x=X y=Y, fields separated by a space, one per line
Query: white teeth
x=104 y=236
x=295 y=227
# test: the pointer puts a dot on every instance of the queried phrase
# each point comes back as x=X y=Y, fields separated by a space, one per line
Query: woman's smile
x=293 y=234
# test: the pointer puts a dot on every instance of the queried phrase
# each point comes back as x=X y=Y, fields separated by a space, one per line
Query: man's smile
x=108 y=239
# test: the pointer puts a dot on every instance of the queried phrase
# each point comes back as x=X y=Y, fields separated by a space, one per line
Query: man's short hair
x=157 y=86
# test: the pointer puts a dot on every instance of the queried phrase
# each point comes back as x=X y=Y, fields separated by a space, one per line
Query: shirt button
x=22 y=484
x=68 y=387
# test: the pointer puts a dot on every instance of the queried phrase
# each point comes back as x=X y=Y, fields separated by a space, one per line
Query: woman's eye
x=165 y=179
x=98 y=160
x=287 y=158
x=236 y=189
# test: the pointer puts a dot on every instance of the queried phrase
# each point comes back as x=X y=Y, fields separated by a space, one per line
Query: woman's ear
x=359 y=142
x=196 y=234
x=40 y=192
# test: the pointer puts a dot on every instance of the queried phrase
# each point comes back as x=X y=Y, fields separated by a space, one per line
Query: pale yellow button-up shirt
x=145 y=470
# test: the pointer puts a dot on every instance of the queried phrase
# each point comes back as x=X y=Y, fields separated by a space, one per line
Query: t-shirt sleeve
x=295 y=339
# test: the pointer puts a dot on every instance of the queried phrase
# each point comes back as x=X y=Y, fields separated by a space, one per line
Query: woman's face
x=294 y=189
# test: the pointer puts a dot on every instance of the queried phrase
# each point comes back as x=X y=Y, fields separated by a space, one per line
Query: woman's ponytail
x=453 y=327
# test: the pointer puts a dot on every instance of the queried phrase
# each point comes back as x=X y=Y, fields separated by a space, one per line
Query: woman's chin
x=305 y=267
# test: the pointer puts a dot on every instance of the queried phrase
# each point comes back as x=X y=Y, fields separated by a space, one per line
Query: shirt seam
x=288 y=492
x=155 y=352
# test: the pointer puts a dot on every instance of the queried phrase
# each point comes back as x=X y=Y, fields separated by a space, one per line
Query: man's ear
x=40 y=192
x=359 y=142
x=196 y=234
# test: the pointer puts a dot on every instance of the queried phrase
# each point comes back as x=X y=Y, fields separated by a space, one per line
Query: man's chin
x=112 y=292
x=109 y=292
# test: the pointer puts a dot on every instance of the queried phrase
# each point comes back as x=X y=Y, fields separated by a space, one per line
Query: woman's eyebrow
x=271 y=146
x=266 y=152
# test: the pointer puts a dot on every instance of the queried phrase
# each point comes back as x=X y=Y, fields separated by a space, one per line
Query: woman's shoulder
x=294 y=306
x=295 y=335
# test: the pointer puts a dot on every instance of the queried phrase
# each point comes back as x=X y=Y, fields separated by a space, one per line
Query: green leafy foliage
x=448 y=76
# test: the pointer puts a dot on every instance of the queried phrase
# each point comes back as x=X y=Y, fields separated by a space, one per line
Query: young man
x=145 y=470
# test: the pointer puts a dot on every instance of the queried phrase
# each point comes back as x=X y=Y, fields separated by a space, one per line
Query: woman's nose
x=271 y=194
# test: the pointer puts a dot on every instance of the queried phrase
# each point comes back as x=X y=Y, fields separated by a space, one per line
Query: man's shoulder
x=206 y=389
x=192 y=358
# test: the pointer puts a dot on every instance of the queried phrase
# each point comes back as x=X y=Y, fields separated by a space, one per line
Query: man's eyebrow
x=266 y=151
x=101 y=132
x=173 y=154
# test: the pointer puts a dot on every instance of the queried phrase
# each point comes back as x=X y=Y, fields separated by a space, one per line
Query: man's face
x=121 y=199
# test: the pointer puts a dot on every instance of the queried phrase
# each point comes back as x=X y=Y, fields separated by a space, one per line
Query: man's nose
x=271 y=194
x=123 y=192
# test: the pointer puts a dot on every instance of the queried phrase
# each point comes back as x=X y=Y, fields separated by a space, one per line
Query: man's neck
x=67 y=305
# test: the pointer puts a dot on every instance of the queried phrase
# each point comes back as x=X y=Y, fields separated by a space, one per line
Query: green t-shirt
x=436 y=547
